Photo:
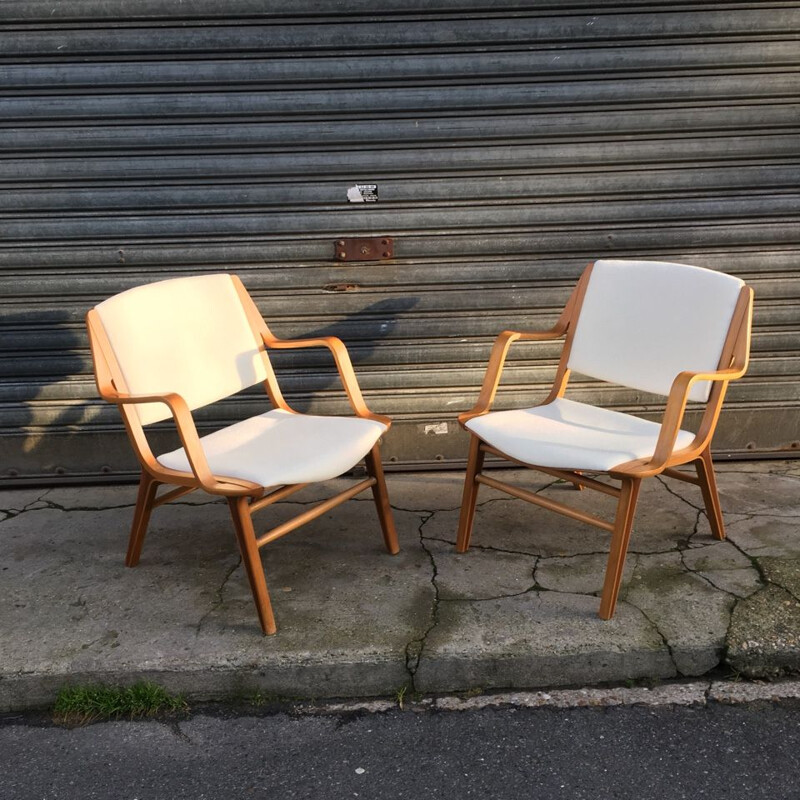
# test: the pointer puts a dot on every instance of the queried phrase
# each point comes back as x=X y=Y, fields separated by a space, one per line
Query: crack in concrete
x=744 y=515
x=630 y=552
x=219 y=600
x=742 y=518
x=652 y=622
x=763 y=579
x=785 y=588
x=661 y=635
x=531 y=554
x=11 y=513
x=764 y=582
x=695 y=530
x=415 y=648
x=723 y=659
x=675 y=494
x=53 y=506
x=556 y=482
x=488 y=500
x=753 y=561
x=542 y=559
x=283 y=503
x=626 y=585
x=706 y=578
x=415 y=510
x=542 y=589
x=505 y=499
x=214 y=501
x=533 y=574
x=529 y=590
x=758 y=514
x=50 y=505
x=484 y=547
x=534 y=587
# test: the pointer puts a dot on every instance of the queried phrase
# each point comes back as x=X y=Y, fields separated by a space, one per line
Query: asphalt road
x=625 y=752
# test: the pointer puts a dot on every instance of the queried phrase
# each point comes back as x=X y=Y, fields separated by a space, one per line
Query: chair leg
x=708 y=485
x=375 y=470
x=148 y=486
x=246 y=537
x=470 y=496
x=629 y=492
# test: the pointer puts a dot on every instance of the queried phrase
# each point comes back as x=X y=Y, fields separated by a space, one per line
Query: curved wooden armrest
x=673 y=417
x=343 y=366
x=184 y=423
x=685 y=380
x=497 y=361
x=735 y=352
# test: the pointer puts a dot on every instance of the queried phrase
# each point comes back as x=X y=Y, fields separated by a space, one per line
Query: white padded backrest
x=185 y=335
x=643 y=322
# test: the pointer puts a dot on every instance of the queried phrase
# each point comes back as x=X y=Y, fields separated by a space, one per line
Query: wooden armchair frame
x=732 y=365
x=244 y=497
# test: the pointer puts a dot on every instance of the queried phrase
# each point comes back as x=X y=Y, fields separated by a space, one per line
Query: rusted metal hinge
x=374 y=248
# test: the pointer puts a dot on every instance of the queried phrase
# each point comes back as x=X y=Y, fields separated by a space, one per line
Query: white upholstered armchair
x=672 y=329
x=165 y=349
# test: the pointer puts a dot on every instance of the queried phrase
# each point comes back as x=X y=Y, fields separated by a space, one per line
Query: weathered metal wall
x=512 y=142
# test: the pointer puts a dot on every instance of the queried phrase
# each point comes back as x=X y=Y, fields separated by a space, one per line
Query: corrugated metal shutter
x=511 y=142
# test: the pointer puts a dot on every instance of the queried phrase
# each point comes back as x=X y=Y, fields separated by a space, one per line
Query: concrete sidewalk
x=517 y=612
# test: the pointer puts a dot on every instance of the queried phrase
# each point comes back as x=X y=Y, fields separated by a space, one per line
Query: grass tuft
x=79 y=705
x=401 y=695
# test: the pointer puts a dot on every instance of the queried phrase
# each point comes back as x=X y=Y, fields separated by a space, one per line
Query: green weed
x=79 y=705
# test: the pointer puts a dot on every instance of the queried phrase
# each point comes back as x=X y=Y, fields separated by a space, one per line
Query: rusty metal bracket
x=374 y=248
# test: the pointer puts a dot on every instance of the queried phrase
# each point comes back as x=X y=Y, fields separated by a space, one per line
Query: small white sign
x=363 y=193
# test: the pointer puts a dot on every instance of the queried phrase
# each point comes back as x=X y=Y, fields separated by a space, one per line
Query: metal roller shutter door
x=511 y=143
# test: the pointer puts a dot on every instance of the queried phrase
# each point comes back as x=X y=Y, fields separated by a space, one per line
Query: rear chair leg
x=148 y=486
x=619 y=545
x=246 y=537
x=375 y=470
x=708 y=485
x=470 y=496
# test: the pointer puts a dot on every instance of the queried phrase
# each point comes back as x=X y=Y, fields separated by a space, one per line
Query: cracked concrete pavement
x=517 y=612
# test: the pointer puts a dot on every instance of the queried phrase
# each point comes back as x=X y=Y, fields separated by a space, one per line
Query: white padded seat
x=565 y=434
x=280 y=448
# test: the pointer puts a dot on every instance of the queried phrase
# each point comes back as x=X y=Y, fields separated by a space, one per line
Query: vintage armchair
x=671 y=329
x=165 y=349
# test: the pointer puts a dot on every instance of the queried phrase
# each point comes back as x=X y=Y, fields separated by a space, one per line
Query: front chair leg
x=470 y=496
x=708 y=485
x=629 y=492
x=375 y=470
x=246 y=537
x=148 y=486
